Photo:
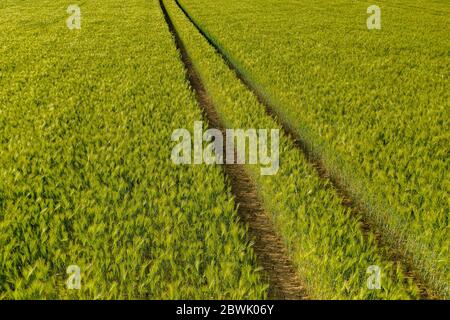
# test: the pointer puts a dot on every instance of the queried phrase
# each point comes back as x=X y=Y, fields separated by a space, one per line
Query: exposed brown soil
x=269 y=249
x=367 y=226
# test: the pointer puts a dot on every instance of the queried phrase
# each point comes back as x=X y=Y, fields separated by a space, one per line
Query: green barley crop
x=325 y=242
x=373 y=104
x=86 y=179
x=87 y=115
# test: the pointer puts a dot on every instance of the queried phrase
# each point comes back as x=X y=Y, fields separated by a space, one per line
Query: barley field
x=244 y=150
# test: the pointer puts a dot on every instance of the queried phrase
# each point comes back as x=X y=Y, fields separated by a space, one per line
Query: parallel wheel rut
x=269 y=249
x=393 y=254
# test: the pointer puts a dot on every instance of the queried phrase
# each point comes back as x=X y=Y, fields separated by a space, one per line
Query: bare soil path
x=269 y=249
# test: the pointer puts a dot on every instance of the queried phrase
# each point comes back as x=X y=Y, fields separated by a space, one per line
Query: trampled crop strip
x=387 y=239
x=269 y=249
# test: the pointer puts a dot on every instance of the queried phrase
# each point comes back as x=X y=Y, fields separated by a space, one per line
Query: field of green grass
x=374 y=105
x=85 y=172
x=86 y=123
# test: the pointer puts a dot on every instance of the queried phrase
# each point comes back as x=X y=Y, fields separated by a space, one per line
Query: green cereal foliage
x=374 y=105
x=86 y=118
x=324 y=240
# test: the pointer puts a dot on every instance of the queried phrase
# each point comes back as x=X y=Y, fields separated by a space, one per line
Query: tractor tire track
x=395 y=255
x=269 y=249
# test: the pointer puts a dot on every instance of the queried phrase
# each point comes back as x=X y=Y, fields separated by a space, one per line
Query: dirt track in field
x=393 y=254
x=268 y=247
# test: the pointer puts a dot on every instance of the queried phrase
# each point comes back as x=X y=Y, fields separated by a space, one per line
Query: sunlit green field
x=87 y=115
x=85 y=172
x=374 y=104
